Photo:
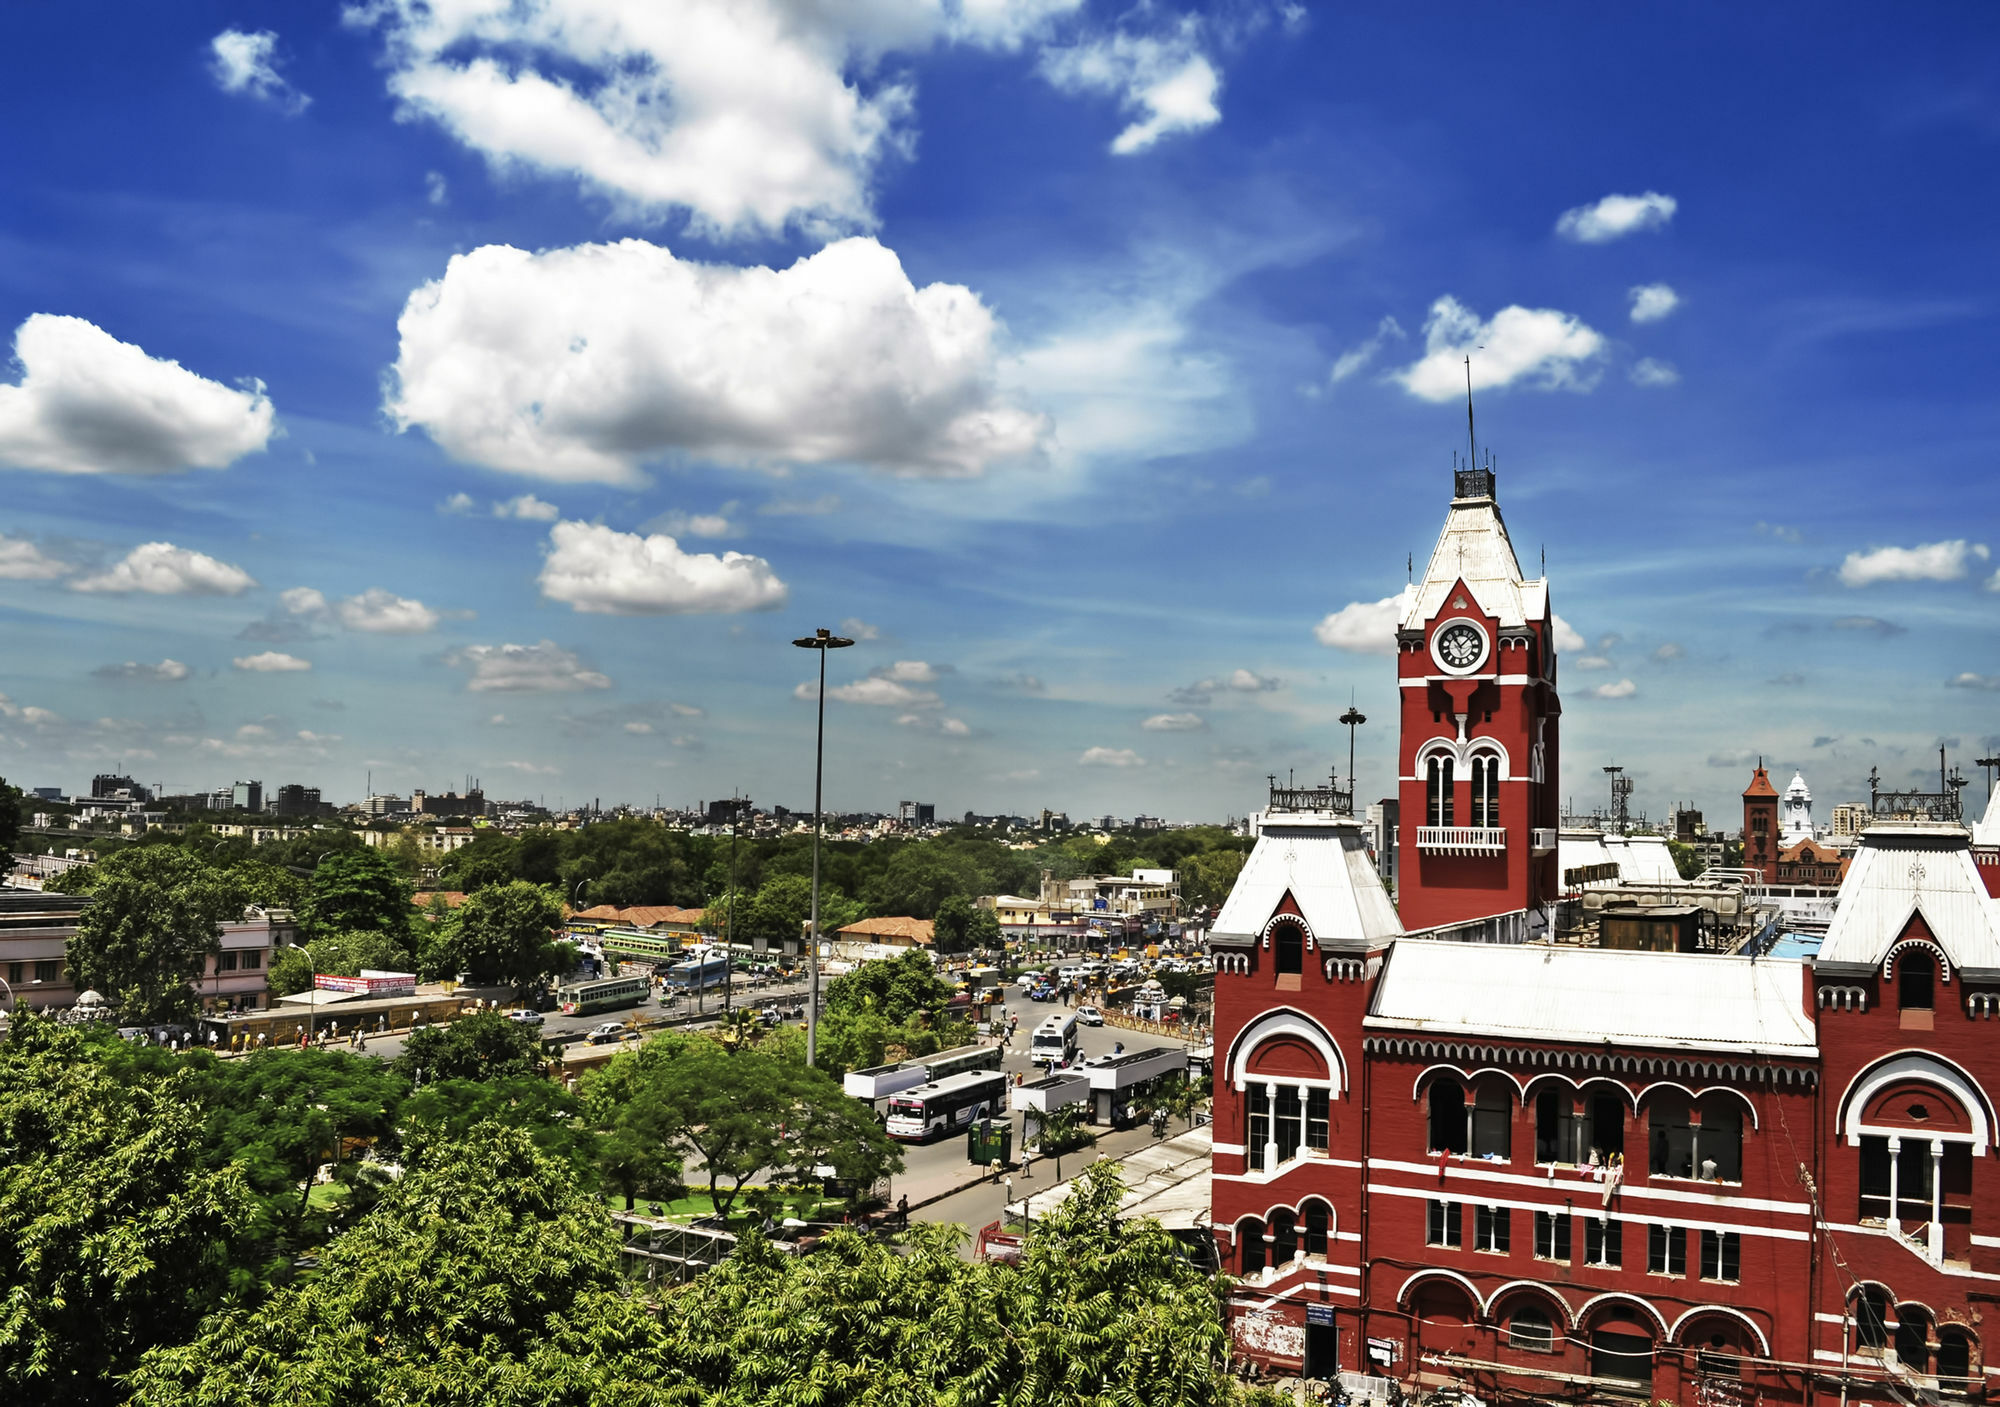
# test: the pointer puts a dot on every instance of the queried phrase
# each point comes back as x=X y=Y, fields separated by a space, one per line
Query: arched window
x=1284 y=1237
x=1437 y=796
x=1871 y=1317
x=1916 y=978
x=1288 y=942
x=1954 y=1360
x=1318 y=1225
x=1531 y=1328
x=1486 y=790
x=1447 y=1121
x=1719 y=1140
x=1492 y=1120
x=1913 y=1338
x=1250 y=1246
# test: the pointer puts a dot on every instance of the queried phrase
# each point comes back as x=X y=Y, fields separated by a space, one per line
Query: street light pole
x=1352 y=718
x=312 y=1001
x=729 y=929
x=821 y=640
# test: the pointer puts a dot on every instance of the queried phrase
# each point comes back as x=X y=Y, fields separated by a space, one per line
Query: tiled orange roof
x=452 y=898
x=910 y=930
x=1760 y=785
x=642 y=915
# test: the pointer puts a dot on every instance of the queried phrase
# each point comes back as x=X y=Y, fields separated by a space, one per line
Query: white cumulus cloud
x=874 y=691
x=162 y=569
x=1616 y=216
x=87 y=403
x=677 y=523
x=22 y=560
x=272 y=662
x=855 y=628
x=1164 y=80
x=1174 y=723
x=602 y=571
x=1623 y=689
x=1653 y=301
x=544 y=668
x=1110 y=757
x=1568 y=639
x=379 y=612
x=1651 y=371
x=526 y=507
x=1929 y=561
x=578 y=365
x=1365 y=627
x=247 y=62
x=1537 y=347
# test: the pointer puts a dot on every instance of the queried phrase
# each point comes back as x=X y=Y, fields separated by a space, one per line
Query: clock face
x=1460 y=646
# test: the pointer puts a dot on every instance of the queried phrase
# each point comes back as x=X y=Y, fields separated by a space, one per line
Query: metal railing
x=1462 y=840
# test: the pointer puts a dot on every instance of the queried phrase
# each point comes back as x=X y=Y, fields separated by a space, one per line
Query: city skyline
x=381 y=405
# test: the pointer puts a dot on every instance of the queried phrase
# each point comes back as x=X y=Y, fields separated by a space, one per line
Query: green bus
x=651 y=947
x=606 y=994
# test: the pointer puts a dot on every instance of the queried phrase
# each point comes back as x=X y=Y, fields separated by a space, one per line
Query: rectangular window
x=1491 y=1230
x=1721 y=1255
x=1318 y=1120
x=1290 y=1116
x=1444 y=1226
x=49 y=970
x=225 y=962
x=1559 y=1132
x=1257 y=1133
x=1666 y=1249
x=1603 y=1241
x=253 y=960
x=1492 y=1122
x=1552 y=1235
x=16 y=972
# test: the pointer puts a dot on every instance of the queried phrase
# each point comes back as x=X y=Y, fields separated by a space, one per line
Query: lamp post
x=1353 y=718
x=729 y=923
x=312 y=1001
x=821 y=640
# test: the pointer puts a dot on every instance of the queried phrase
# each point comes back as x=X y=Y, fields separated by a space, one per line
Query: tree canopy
x=483 y=1046
x=503 y=933
x=153 y=920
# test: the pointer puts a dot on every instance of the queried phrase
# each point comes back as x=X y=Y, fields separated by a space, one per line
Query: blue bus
x=699 y=974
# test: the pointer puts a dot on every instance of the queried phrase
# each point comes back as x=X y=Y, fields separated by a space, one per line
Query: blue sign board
x=1319 y=1314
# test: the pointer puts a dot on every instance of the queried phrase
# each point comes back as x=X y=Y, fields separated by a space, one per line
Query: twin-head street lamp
x=821 y=640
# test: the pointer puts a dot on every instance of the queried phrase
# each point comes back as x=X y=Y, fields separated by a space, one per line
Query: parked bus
x=699 y=974
x=947 y=1063
x=1054 y=1041
x=605 y=994
x=946 y=1106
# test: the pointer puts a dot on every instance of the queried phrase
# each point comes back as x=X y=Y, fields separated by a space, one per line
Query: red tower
x=1760 y=825
x=1479 y=775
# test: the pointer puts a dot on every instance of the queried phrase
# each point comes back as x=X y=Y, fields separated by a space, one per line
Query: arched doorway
x=1622 y=1339
x=1446 y=1314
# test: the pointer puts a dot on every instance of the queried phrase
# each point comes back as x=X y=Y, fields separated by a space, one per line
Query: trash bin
x=988 y=1139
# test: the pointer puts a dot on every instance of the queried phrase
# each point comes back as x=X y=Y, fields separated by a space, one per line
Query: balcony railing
x=1543 y=840
x=1462 y=840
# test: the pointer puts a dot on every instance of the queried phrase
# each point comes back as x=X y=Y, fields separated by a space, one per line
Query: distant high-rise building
x=247 y=796
x=1850 y=818
x=106 y=786
x=296 y=799
x=916 y=813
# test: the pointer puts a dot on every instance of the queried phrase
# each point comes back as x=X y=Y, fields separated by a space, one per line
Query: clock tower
x=1478 y=770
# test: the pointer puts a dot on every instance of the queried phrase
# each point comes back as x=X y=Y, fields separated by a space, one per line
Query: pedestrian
x=1008 y=1201
x=903 y=1211
x=1027 y=1161
x=994 y=1168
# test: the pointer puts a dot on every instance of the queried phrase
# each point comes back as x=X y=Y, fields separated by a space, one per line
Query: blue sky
x=497 y=390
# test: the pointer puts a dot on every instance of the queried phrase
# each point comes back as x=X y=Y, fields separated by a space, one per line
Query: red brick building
x=1760 y=825
x=1553 y=1172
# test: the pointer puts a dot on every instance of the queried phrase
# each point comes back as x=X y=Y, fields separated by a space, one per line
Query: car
x=606 y=1033
x=1089 y=1016
x=526 y=1017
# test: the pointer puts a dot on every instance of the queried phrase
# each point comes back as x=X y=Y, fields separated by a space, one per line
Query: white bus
x=1054 y=1041
x=945 y=1106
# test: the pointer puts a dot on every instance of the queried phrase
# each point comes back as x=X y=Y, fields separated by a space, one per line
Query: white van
x=1054 y=1041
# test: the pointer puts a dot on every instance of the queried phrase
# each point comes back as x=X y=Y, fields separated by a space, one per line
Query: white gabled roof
x=1672 y=1001
x=1322 y=861
x=1474 y=547
x=1987 y=830
x=1578 y=848
x=1906 y=867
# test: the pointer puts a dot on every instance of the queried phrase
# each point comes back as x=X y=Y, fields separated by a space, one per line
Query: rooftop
x=1906 y=869
x=1322 y=861
x=1673 y=1001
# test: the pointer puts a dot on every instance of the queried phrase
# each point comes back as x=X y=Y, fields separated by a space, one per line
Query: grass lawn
x=697 y=1203
x=325 y=1196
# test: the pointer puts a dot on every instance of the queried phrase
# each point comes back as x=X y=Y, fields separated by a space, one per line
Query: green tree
x=549 y=1114
x=113 y=1236
x=749 y=1112
x=1063 y=1131
x=1207 y=879
x=483 y=1046
x=144 y=940
x=635 y=1142
x=951 y=930
x=484 y=1275
x=1687 y=860
x=277 y=1115
x=778 y=911
x=10 y=817
x=919 y=878
x=357 y=891
x=504 y=933
x=982 y=930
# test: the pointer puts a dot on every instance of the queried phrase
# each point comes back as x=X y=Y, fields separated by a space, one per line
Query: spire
x=1472 y=481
